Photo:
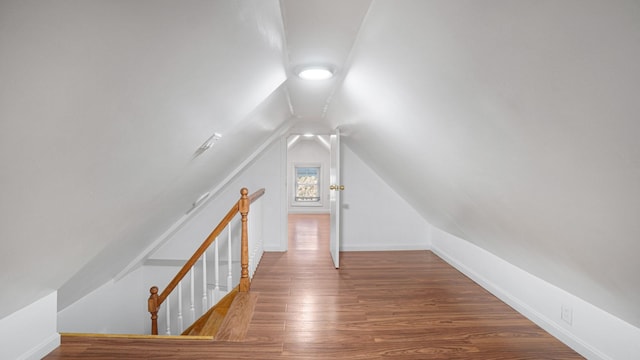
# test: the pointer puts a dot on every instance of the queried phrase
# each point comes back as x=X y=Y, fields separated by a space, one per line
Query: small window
x=307 y=184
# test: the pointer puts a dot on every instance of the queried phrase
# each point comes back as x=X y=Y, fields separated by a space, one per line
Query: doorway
x=308 y=158
x=308 y=161
x=309 y=233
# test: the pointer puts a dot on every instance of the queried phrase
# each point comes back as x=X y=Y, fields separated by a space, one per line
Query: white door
x=334 y=199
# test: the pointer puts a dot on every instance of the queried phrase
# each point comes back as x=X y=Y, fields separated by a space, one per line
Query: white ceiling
x=318 y=33
x=516 y=123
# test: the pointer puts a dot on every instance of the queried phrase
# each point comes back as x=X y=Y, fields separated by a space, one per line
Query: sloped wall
x=373 y=215
x=512 y=125
x=122 y=301
x=266 y=171
x=589 y=330
x=103 y=106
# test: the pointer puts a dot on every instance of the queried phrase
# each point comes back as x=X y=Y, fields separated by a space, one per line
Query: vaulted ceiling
x=516 y=123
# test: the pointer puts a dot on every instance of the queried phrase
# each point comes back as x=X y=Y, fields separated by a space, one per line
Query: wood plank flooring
x=401 y=305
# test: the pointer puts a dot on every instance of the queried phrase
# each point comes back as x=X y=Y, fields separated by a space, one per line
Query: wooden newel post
x=243 y=207
x=153 y=309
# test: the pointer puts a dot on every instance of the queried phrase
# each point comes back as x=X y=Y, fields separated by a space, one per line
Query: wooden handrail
x=256 y=195
x=194 y=258
x=242 y=207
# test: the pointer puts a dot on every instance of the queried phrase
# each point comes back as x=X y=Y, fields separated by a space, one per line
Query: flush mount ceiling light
x=315 y=72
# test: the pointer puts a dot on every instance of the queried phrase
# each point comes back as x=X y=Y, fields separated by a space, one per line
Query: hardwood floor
x=403 y=305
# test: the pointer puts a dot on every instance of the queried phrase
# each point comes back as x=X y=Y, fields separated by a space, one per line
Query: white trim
x=308 y=210
x=271 y=249
x=283 y=199
x=385 y=247
x=523 y=308
x=594 y=333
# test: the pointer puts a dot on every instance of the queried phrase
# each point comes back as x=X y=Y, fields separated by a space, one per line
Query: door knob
x=333 y=187
x=341 y=187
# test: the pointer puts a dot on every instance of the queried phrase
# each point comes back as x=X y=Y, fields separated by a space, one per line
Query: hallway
x=401 y=305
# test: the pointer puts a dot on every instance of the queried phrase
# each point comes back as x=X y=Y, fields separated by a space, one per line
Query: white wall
x=183 y=244
x=308 y=152
x=264 y=172
x=120 y=306
x=519 y=122
x=117 y=307
x=114 y=124
x=593 y=332
x=30 y=333
x=373 y=215
x=160 y=275
x=366 y=200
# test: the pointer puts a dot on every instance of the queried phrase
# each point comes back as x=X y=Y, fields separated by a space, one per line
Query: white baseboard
x=385 y=247
x=274 y=249
x=523 y=308
x=392 y=247
x=594 y=333
x=308 y=210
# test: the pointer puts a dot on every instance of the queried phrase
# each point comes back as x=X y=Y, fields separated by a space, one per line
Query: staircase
x=229 y=318
x=235 y=324
x=209 y=323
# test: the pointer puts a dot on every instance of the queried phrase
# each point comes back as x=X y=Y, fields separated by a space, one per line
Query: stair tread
x=208 y=324
x=213 y=323
x=235 y=325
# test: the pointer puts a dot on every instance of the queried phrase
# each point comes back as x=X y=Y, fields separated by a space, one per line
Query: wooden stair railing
x=241 y=206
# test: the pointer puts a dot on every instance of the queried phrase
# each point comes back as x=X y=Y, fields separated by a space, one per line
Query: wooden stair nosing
x=137 y=336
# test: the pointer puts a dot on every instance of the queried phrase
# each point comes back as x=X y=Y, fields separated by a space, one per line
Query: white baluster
x=180 y=320
x=230 y=265
x=252 y=241
x=168 y=315
x=205 y=303
x=192 y=307
x=250 y=231
x=256 y=246
x=216 y=290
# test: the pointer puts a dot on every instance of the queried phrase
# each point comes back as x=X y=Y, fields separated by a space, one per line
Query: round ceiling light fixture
x=315 y=72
